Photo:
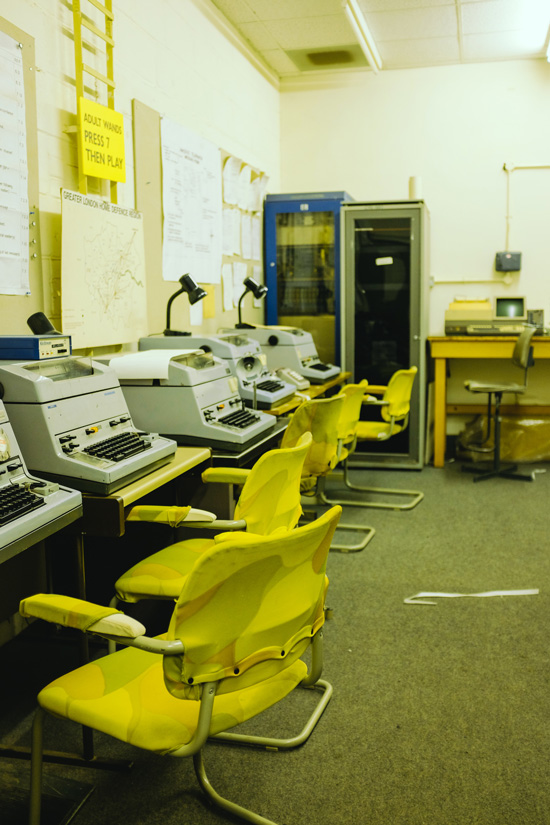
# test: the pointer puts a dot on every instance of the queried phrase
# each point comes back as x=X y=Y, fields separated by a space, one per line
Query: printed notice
x=192 y=206
x=103 y=296
x=14 y=199
x=101 y=136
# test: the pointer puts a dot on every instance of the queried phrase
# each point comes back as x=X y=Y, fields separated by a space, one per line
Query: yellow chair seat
x=376 y=430
x=162 y=575
x=124 y=696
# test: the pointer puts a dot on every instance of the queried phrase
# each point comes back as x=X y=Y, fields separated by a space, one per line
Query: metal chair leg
x=415 y=496
x=222 y=802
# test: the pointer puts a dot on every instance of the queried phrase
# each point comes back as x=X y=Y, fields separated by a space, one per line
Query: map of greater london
x=103 y=295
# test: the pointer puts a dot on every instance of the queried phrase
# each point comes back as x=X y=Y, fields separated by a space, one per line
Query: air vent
x=342 y=57
x=330 y=58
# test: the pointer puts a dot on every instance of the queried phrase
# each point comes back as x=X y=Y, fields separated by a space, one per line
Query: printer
x=258 y=386
x=73 y=425
x=294 y=348
x=30 y=508
x=191 y=396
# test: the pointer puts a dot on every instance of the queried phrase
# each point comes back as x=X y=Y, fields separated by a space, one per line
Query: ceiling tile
x=310 y=33
x=286 y=9
x=505 y=15
x=398 y=5
x=259 y=36
x=236 y=11
x=279 y=61
x=435 y=51
x=496 y=46
x=413 y=23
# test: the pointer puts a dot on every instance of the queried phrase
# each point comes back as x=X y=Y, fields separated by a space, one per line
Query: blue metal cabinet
x=302 y=265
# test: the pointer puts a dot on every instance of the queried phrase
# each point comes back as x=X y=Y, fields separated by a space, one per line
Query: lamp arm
x=169 y=305
x=239 y=305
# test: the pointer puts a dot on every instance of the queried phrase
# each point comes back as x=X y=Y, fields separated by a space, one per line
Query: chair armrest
x=80 y=614
x=98 y=619
x=171 y=515
x=377 y=389
x=371 y=401
x=220 y=524
x=225 y=475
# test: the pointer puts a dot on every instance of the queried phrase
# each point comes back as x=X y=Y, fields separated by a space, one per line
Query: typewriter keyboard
x=118 y=447
x=15 y=500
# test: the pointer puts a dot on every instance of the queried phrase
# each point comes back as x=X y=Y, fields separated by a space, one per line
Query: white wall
x=454 y=127
x=168 y=55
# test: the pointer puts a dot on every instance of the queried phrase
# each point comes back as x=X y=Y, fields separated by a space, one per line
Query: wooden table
x=470 y=347
x=313 y=391
x=104 y=515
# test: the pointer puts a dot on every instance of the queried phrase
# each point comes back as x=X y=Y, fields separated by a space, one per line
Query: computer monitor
x=507 y=308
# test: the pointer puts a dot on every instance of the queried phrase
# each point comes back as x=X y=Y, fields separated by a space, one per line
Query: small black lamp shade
x=258 y=291
x=194 y=292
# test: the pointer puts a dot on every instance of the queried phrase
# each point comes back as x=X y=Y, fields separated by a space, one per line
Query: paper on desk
x=420 y=598
x=151 y=363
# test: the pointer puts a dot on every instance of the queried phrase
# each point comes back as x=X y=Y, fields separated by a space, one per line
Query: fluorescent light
x=365 y=38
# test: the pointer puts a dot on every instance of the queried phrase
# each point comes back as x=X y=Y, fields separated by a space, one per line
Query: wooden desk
x=313 y=391
x=104 y=515
x=468 y=347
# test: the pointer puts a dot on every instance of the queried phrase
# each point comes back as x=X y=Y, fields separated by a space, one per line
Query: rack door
x=382 y=328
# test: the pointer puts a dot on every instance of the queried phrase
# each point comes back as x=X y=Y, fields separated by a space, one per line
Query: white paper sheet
x=192 y=205
x=14 y=202
x=420 y=598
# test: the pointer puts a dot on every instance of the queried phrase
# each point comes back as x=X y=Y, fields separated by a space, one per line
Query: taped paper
x=420 y=598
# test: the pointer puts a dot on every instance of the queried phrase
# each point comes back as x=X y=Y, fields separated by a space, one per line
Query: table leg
x=440 y=401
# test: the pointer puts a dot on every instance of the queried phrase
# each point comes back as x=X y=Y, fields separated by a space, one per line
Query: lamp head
x=258 y=290
x=194 y=291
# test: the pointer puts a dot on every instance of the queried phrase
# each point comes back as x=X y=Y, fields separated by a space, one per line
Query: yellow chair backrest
x=250 y=607
x=351 y=411
x=398 y=395
x=319 y=417
x=270 y=497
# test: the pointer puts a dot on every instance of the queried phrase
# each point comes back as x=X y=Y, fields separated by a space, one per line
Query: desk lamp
x=195 y=293
x=258 y=291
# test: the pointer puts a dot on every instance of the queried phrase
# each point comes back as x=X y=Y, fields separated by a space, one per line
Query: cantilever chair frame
x=255 y=660
x=334 y=446
x=522 y=357
x=414 y=496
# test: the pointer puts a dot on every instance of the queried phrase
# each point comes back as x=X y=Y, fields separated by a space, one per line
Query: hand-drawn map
x=103 y=295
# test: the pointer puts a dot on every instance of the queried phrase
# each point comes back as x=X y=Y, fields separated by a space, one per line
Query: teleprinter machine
x=73 y=424
x=191 y=396
x=259 y=387
x=30 y=508
x=294 y=348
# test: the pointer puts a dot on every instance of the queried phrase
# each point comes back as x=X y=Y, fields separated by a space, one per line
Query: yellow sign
x=101 y=136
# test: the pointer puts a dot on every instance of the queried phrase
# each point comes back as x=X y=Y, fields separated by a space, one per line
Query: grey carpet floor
x=439 y=714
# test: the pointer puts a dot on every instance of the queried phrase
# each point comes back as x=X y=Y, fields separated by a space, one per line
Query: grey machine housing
x=60 y=505
x=258 y=386
x=190 y=396
x=63 y=409
x=294 y=348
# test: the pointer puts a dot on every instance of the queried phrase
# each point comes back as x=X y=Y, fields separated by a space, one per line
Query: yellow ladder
x=79 y=22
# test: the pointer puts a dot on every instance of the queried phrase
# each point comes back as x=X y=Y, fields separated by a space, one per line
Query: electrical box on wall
x=508 y=261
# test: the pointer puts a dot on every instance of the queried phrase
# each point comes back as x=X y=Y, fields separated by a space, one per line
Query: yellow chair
x=325 y=419
x=394 y=410
x=269 y=501
x=249 y=610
